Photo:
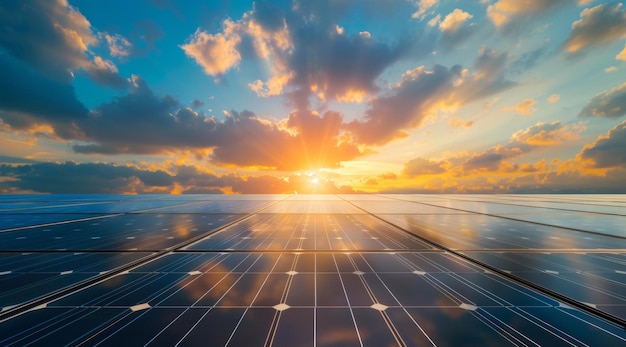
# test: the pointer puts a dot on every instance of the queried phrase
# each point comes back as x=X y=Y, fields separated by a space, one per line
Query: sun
x=315 y=180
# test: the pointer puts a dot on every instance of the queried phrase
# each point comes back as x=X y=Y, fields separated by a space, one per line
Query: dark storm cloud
x=601 y=24
x=608 y=104
x=608 y=150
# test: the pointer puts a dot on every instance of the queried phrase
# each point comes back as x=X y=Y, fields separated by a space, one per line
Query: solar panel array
x=313 y=270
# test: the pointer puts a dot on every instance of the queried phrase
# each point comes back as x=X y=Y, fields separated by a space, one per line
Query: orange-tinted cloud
x=601 y=24
x=422 y=8
x=103 y=178
x=307 y=56
x=215 y=53
x=421 y=92
x=554 y=98
x=316 y=143
x=454 y=20
x=420 y=166
x=547 y=134
x=621 y=55
x=505 y=13
x=526 y=107
x=55 y=39
x=608 y=151
x=459 y=123
x=608 y=104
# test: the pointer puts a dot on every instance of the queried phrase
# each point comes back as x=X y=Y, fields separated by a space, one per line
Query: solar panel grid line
x=544 y=207
x=328 y=250
x=370 y=293
x=503 y=329
x=595 y=326
x=599 y=313
x=57 y=223
x=559 y=334
x=519 y=220
x=283 y=299
x=345 y=293
x=6 y=314
x=225 y=293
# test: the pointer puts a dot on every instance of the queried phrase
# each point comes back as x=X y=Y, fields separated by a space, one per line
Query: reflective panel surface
x=312 y=270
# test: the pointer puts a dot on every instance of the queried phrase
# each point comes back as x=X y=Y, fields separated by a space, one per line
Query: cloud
x=621 y=55
x=215 y=53
x=422 y=7
x=85 y=178
x=421 y=92
x=547 y=134
x=306 y=140
x=488 y=77
x=119 y=46
x=510 y=13
x=421 y=166
x=526 y=107
x=453 y=28
x=28 y=99
x=459 y=123
x=317 y=142
x=520 y=143
x=554 y=98
x=104 y=72
x=306 y=54
x=52 y=37
x=491 y=159
x=598 y=25
x=409 y=104
x=528 y=60
x=105 y=178
x=608 y=104
x=336 y=66
x=607 y=151
x=454 y=20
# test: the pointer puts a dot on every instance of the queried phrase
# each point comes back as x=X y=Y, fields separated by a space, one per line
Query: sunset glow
x=436 y=96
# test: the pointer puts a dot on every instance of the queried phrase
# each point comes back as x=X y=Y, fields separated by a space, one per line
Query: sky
x=325 y=96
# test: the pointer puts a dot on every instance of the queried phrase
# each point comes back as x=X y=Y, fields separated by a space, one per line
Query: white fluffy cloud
x=453 y=21
x=215 y=53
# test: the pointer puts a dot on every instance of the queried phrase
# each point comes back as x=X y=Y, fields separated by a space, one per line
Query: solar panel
x=308 y=270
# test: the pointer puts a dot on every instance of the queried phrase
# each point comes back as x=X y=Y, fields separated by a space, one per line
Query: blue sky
x=258 y=96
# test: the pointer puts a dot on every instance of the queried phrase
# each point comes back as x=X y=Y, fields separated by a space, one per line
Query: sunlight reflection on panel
x=310 y=270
